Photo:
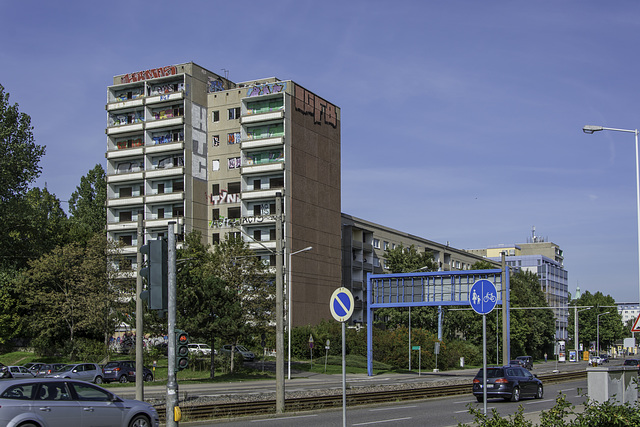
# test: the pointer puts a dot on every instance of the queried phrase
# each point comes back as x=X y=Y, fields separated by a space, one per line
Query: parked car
x=17 y=372
x=596 y=360
x=246 y=354
x=34 y=367
x=80 y=371
x=516 y=362
x=508 y=382
x=53 y=402
x=632 y=362
x=49 y=368
x=123 y=371
x=200 y=349
x=605 y=358
x=527 y=361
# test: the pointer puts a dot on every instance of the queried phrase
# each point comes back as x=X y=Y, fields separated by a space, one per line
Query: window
x=234 y=235
x=125 y=192
x=276 y=182
x=126 y=240
x=233 y=187
x=91 y=393
x=215 y=214
x=257 y=235
x=21 y=391
x=215 y=140
x=178 y=210
x=160 y=213
x=215 y=116
x=376 y=262
x=376 y=243
x=160 y=188
x=272 y=234
x=215 y=165
x=215 y=238
x=385 y=245
x=178 y=185
x=257 y=210
x=125 y=216
x=234 y=138
x=233 y=163
x=257 y=184
x=234 y=113
x=215 y=189
x=233 y=213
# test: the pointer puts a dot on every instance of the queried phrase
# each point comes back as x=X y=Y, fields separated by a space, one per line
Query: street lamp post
x=591 y=129
x=576 y=329
x=598 y=331
x=289 y=300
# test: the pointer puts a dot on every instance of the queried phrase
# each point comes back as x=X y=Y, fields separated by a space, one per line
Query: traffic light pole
x=172 y=383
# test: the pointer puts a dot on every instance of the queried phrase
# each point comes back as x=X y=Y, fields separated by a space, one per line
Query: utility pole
x=172 y=383
x=139 y=323
x=279 y=310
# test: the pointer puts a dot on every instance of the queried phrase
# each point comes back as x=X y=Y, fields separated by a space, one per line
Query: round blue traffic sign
x=341 y=304
x=483 y=296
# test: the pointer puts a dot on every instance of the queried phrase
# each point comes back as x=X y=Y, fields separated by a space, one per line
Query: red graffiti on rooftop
x=169 y=70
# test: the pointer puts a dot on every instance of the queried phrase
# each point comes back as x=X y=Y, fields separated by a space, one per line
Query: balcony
x=124 y=153
x=123 y=177
x=174 y=121
x=275 y=115
x=165 y=172
x=165 y=197
x=121 y=226
x=125 y=201
x=170 y=146
x=268 y=168
x=261 y=194
x=124 y=104
x=158 y=223
x=271 y=244
x=134 y=127
x=165 y=97
x=260 y=143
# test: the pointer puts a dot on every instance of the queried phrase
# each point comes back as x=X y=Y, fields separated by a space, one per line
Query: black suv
x=508 y=382
x=123 y=371
x=527 y=361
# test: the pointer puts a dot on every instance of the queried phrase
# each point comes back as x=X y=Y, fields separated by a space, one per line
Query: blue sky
x=461 y=120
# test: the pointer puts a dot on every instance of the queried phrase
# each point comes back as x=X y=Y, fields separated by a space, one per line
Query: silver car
x=17 y=372
x=62 y=402
x=79 y=371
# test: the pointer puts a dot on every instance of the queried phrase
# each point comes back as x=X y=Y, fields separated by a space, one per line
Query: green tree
x=19 y=167
x=206 y=306
x=406 y=260
x=532 y=330
x=87 y=205
x=611 y=328
x=70 y=293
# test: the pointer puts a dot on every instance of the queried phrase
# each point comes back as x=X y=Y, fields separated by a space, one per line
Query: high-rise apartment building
x=184 y=143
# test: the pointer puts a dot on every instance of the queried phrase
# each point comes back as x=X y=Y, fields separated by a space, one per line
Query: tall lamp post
x=598 y=331
x=289 y=300
x=591 y=129
x=577 y=339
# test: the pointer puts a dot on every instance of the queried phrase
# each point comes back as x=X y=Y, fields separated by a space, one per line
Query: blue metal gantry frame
x=441 y=288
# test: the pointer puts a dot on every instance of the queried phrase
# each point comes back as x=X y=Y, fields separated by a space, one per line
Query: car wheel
x=479 y=399
x=28 y=425
x=148 y=378
x=540 y=392
x=124 y=379
x=98 y=380
x=140 y=421
x=515 y=395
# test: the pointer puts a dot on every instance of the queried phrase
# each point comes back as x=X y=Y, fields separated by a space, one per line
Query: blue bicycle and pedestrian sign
x=483 y=296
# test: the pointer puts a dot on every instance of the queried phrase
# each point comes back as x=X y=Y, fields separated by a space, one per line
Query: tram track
x=354 y=398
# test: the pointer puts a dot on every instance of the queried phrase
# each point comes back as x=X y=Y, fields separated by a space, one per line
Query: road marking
x=382 y=421
x=466 y=410
x=539 y=401
x=283 y=418
x=394 y=407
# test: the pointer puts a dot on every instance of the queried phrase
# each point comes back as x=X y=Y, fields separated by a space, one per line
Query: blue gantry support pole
x=369 y=327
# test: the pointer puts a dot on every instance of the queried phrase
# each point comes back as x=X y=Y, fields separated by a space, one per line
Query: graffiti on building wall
x=224 y=197
x=199 y=139
x=234 y=163
x=321 y=110
x=149 y=74
x=215 y=85
x=233 y=222
x=266 y=89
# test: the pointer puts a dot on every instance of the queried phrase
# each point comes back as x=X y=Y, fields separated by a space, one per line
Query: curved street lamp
x=308 y=248
x=590 y=130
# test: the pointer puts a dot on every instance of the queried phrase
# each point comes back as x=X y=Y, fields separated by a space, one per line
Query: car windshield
x=111 y=365
x=65 y=368
x=241 y=348
x=204 y=346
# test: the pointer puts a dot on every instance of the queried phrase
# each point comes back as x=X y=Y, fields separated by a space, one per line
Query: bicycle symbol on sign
x=489 y=297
